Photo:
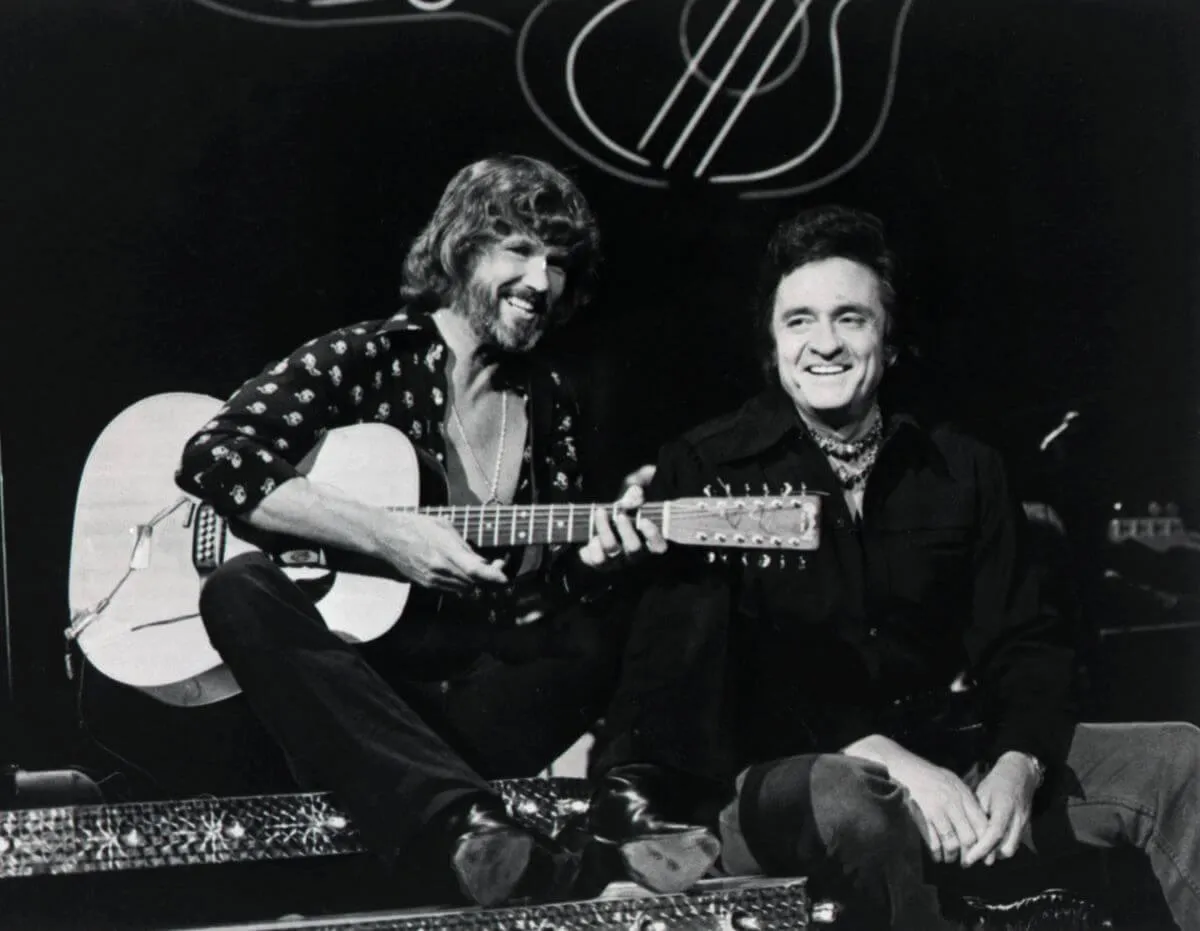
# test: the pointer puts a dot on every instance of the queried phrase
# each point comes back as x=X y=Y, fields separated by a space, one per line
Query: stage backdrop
x=192 y=187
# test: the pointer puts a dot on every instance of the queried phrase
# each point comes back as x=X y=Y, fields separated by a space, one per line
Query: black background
x=187 y=195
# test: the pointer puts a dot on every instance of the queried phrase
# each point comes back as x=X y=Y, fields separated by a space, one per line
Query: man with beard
x=807 y=714
x=407 y=730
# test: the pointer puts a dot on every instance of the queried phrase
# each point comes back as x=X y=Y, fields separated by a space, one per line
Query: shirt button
x=444 y=686
x=873 y=632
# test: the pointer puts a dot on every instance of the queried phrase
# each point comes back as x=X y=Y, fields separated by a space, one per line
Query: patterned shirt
x=390 y=372
x=387 y=371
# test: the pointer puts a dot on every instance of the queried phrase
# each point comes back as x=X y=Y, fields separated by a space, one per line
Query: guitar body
x=149 y=634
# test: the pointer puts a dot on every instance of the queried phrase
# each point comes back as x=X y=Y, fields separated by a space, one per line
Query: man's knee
x=856 y=805
x=801 y=811
x=1162 y=758
x=231 y=598
x=1179 y=761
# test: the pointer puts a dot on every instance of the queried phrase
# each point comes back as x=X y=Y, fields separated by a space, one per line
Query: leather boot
x=640 y=812
x=496 y=859
x=1052 y=908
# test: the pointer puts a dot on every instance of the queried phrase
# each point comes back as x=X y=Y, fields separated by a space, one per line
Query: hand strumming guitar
x=429 y=552
x=422 y=549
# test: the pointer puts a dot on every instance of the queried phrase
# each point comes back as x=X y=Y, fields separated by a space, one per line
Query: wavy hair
x=488 y=201
x=826 y=232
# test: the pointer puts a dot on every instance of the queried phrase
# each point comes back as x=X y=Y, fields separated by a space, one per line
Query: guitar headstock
x=1159 y=528
x=766 y=522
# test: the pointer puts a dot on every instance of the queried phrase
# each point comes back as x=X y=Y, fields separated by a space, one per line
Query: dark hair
x=823 y=233
x=488 y=201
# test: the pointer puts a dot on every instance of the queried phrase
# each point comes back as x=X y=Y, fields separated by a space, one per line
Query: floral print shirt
x=388 y=371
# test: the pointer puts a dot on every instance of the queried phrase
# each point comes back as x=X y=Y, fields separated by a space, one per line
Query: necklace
x=494 y=484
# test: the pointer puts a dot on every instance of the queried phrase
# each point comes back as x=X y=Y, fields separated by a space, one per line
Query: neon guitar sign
x=768 y=98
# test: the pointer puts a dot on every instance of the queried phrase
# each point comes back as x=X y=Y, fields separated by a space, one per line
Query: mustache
x=539 y=300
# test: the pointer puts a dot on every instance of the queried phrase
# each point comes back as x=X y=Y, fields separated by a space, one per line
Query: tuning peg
x=787 y=488
x=725 y=487
x=764 y=561
x=710 y=557
x=708 y=490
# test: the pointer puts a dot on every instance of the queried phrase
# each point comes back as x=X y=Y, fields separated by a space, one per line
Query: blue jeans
x=1123 y=784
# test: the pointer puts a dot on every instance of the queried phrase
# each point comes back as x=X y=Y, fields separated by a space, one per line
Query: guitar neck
x=519 y=525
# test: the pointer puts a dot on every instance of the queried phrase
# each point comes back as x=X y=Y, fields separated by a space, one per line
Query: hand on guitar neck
x=422 y=549
x=621 y=538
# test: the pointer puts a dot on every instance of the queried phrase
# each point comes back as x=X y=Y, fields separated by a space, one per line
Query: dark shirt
x=388 y=371
x=783 y=658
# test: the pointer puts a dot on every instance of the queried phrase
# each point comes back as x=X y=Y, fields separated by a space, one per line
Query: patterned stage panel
x=98 y=839
x=141 y=835
x=714 y=905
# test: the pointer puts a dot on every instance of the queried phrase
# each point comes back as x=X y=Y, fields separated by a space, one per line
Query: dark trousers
x=361 y=721
x=1134 y=785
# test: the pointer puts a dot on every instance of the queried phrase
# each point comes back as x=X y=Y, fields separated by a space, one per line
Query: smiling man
x=809 y=715
x=407 y=730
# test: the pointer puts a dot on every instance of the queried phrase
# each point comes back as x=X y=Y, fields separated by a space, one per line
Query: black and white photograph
x=636 y=465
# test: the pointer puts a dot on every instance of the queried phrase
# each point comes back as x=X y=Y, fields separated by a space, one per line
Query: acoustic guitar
x=141 y=548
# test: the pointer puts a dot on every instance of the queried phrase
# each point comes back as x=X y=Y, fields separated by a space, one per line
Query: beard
x=489 y=324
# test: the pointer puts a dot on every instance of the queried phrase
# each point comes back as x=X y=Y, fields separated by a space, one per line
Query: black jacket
x=734 y=663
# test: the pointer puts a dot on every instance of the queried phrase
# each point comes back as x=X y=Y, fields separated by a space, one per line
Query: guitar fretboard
x=517 y=525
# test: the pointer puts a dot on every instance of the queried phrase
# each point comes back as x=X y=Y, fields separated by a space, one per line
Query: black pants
x=395 y=747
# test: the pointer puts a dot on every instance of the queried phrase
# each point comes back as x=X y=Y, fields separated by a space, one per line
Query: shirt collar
x=771 y=417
